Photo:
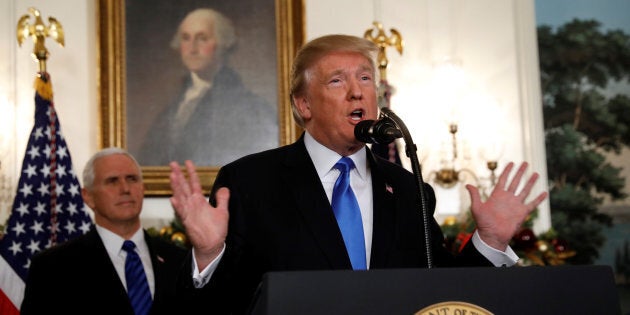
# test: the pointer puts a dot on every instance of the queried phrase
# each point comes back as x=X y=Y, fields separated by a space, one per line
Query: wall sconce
x=448 y=176
x=491 y=151
x=465 y=105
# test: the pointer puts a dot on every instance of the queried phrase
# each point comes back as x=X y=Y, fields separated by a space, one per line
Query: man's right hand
x=206 y=226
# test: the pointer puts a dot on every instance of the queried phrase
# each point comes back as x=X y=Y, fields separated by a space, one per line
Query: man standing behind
x=91 y=274
x=215 y=119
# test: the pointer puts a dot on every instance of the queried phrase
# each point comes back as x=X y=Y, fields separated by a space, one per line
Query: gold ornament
x=450 y=220
x=38 y=31
x=178 y=238
x=166 y=231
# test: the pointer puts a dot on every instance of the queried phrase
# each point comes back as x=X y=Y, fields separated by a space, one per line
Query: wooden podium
x=515 y=290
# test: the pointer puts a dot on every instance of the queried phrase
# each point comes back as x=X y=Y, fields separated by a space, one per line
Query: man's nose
x=124 y=186
x=354 y=90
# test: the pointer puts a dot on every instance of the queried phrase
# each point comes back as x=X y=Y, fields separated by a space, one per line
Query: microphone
x=382 y=131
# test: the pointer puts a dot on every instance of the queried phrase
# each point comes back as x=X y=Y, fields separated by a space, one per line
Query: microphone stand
x=410 y=150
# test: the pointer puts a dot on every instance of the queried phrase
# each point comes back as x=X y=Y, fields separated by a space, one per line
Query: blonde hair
x=317 y=48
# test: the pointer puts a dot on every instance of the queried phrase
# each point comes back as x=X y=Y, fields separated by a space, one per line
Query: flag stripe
x=6 y=306
x=48 y=207
x=11 y=284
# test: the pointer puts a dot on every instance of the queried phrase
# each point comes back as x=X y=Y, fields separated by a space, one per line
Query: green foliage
x=582 y=124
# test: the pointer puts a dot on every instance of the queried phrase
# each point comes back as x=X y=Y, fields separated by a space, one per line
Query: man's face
x=117 y=192
x=198 y=45
x=341 y=92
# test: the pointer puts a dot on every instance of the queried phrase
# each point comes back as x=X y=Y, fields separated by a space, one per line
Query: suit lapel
x=108 y=280
x=157 y=263
x=310 y=199
x=384 y=214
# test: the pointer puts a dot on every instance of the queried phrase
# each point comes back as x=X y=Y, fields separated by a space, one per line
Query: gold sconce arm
x=492 y=166
x=448 y=176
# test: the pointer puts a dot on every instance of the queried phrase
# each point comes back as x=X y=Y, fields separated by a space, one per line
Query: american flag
x=48 y=208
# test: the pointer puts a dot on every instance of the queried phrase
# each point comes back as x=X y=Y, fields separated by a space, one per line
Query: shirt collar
x=324 y=158
x=113 y=242
x=198 y=83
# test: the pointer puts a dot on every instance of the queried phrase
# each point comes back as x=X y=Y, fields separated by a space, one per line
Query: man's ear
x=87 y=198
x=303 y=106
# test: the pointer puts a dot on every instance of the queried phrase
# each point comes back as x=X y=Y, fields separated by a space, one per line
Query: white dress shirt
x=113 y=244
x=324 y=160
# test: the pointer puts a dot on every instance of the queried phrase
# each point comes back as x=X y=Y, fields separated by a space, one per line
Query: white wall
x=494 y=39
x=73 y=73
x=495 y=42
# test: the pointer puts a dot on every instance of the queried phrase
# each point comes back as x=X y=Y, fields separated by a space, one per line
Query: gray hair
x=88 y=171
x=223 y=29
x=317 y=48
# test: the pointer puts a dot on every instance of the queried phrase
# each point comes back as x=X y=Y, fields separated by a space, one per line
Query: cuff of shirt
x=200 y=279
x=498 y=258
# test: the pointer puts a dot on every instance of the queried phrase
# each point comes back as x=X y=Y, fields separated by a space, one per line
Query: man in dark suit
x=87 y=275
x=214 y=107
x=280 y=215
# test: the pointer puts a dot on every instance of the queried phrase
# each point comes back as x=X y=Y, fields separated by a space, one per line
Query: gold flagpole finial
x=38 y=32
x=382 y=41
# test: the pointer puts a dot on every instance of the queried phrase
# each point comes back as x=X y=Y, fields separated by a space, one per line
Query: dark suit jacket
x=281 y=219
x=230 y=121
x=78 y=277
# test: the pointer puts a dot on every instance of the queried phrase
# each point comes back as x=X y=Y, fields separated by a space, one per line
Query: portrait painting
x=196 y=80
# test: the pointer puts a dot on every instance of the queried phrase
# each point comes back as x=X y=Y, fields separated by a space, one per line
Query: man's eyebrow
x=110 y=178
x=366 y=68
x=337 y=72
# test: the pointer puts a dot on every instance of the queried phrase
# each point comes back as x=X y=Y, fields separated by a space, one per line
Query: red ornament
x=525 y=239
x=559 y=245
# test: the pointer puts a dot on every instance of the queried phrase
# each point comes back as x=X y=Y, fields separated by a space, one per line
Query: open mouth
x=356 y=115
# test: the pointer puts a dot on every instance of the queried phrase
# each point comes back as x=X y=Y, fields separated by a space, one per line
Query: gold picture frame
x=113 y=84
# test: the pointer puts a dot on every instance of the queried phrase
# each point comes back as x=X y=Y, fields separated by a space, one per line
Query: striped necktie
x=137 y=285
x=348 y=215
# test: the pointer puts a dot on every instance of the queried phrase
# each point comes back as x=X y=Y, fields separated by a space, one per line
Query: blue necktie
x=137 y=285
x=346 y=210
